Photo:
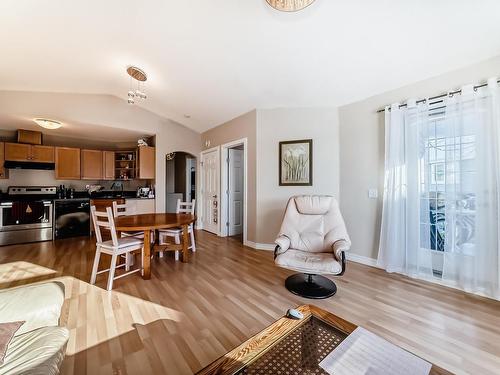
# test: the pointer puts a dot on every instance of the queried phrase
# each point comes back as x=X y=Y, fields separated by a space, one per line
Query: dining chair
x=186 y=208
x=114 y=247
x=123 y=210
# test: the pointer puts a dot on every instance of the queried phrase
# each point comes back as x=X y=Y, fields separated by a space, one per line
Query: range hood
x=28 y=165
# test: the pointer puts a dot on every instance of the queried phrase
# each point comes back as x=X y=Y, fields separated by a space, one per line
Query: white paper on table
x=364 y=353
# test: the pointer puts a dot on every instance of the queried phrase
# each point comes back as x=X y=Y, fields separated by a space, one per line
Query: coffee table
x=290 y=346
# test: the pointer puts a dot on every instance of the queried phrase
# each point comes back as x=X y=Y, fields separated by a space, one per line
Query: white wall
x=362 y=150
x=275 y=125
x=244 y=126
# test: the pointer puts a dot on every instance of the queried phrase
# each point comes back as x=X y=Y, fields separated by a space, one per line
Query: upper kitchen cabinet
x=30 y=153
x=108 y=165
x=42 y=154
x=92 y=165
x=68 y=163
x=146 y=163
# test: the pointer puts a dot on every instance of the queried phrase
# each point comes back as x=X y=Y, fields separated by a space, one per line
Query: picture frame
x=296 y=163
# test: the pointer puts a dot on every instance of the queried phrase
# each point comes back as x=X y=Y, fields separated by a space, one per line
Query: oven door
x=19 y=215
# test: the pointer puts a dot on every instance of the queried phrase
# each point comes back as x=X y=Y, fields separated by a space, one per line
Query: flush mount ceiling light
x=289 y=5
x=140 y=77
x=47 y=124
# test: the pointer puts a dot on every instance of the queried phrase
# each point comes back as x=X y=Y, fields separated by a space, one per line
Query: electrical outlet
x=372 y=193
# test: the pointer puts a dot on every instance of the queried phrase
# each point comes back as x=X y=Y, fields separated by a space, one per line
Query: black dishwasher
x=71 y=218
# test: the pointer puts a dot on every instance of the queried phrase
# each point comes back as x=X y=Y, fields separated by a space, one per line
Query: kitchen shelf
x=125 y=165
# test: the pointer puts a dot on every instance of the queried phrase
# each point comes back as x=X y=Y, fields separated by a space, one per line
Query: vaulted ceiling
x=216 y=59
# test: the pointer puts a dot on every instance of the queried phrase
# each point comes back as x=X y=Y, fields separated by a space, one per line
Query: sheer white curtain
x=441 y=207
x=404 y=248
x=472 y=248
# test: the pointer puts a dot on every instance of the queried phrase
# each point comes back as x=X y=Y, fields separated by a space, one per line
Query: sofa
x=39 y=345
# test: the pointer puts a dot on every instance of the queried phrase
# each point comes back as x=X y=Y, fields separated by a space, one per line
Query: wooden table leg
x=185 y=244
x=147 y=255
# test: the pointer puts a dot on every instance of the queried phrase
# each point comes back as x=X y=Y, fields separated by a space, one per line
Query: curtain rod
x=451 y=93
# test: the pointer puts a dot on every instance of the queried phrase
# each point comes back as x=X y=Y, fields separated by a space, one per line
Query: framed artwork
x=296 y=163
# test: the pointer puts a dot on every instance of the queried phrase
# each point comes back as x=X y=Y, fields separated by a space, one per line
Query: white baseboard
x=361 y=259
x=260 y=246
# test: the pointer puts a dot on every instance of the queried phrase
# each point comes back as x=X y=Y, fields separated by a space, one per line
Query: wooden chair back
x=186 y=207
x=104 y=220
x=120 y=209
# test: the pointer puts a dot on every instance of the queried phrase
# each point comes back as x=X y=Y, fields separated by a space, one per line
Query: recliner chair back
x=313 y=223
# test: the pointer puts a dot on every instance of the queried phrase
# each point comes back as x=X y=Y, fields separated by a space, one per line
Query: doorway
x=180 y=179
x=234 y=188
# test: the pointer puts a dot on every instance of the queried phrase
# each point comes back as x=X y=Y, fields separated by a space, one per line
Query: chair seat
x=174 y=231
x=123 y=242
x=314 y=263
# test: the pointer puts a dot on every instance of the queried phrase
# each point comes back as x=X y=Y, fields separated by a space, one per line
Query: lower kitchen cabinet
x=140 y=206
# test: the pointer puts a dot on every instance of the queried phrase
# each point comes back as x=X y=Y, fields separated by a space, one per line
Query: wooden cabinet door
x=108 y=160
x=67 y=163
x=17 y=152
x=3 y=171
x=144 y=206
x=42 y=154
x=92 y=165
x=146 y=163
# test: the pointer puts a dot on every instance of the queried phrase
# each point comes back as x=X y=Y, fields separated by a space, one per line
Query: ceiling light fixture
x=47 y=124
x=289 y=5
x=140 y=76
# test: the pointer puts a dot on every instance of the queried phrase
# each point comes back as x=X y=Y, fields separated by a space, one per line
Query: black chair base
x=311 y=286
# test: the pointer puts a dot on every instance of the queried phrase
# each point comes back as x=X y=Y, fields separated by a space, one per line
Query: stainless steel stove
x=26 y=214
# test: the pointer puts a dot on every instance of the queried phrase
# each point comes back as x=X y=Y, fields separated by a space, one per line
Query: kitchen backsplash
x=28 y=177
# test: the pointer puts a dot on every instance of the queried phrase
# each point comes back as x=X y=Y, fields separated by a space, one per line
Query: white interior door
x=235 y=192
x=210 y=190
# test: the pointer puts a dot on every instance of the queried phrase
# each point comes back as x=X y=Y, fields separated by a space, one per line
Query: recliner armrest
x=283 y=242
x=339 y=247
x=282 y=245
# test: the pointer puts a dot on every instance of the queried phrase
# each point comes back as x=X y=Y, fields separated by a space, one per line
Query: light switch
x=372 y=193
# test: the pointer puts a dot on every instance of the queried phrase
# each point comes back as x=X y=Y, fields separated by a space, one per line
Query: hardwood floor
x=187 y=315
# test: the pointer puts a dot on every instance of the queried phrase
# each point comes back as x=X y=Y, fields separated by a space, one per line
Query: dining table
x=153 y=222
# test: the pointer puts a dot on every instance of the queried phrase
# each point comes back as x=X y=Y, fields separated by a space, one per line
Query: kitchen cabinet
x=146 y=163
x=4 y=173
x=126 y=164
x=67 y=163
x=31 y=153
x=17 y=152
x=140 y=206
x=92 y=165
x=42 y=154
x=108 y=165
x=29 y=136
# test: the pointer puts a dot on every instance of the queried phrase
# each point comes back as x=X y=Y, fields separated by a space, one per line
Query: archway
x=180 y=179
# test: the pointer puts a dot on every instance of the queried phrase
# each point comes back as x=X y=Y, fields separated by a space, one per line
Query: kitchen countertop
x=116 y=197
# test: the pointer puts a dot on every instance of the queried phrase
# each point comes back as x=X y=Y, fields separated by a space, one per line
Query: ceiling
x=74 y=130
x=214 y=60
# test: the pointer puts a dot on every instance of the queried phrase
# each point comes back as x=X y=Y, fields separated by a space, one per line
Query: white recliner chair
x=312 y=240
